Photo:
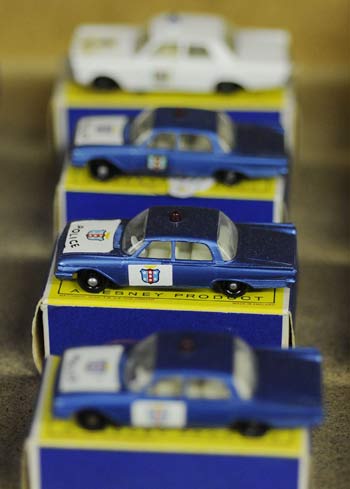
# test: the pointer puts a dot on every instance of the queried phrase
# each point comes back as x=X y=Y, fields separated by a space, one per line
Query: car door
x=196 y=67
x=193 y=264
x=152 y=265
x=161 y=405
x=160 y=152
x=195 y=153
x=209 y=401
x=159 y=62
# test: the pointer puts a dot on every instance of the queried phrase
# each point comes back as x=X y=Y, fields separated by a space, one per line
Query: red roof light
x=175 y=216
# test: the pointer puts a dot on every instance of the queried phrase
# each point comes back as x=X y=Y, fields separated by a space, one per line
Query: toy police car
x=185 y=247
x=178 y=380
x=178 y=142
x=180 y=52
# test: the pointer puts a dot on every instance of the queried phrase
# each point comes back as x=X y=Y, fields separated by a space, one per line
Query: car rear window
x=227 y=237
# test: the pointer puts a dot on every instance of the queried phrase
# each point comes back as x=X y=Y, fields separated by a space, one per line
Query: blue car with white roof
x=178 y=142
x=181 y=247
x=181 y=379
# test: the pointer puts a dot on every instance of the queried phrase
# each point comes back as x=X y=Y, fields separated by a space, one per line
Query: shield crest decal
x=97 y=234
x=157 y=163
x=150 y=275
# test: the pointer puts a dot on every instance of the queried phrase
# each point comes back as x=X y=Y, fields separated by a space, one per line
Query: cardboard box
x=67 y=316
x=59 y=455
x=80 y=196
x=71 y=102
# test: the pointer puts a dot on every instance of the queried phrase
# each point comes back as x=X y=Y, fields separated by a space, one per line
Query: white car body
x=182 y=52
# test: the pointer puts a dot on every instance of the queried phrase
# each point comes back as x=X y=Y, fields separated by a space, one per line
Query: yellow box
x=68 y=316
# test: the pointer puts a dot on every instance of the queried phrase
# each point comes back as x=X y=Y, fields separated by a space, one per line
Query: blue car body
x=194 y=247
x=256 y=151
x=195 y=380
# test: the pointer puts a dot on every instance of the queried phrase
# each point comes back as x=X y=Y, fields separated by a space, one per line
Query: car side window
x=157 y=249
x=192 y=251
x=170 y=49
x=204 y=388
x=163 y=140
x=196 y=51
x=195 y=142
x=166 y=387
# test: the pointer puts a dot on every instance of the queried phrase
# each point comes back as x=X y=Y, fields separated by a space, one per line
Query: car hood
x=100 y=130
x=103 y=41
x=91 y=369
x=267 y=245
x=259 y=140
x=93 y=237
x=269 y=45
x=291 y=376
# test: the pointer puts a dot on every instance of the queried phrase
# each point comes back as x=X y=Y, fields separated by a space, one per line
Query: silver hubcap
x=102 y=171
x=92 y=282
x=233 y=286
x=92 y=419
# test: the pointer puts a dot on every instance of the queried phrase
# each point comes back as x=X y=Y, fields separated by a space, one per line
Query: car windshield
x=225 y=130
x=227 y=237
x=140 y=364
x=141 y=127
x=229 y=37
x=134 y=233
x=142 y=39
x=244 y=369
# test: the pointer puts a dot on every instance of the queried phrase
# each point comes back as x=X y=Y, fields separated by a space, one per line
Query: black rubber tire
x=105 y=83
x=83 y=280
x=91 y=420
x=250 y=428
x=231 y=289
x=227 y=177
x=228 y=87
x=102 y=170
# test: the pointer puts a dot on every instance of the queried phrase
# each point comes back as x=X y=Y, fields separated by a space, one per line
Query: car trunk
x=267 y=245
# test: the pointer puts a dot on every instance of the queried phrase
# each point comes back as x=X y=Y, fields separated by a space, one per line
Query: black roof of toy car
x=198 y=223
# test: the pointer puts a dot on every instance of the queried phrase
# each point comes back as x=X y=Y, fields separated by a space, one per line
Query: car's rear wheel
x=105 y=83
x=231 y=288
x=92 y=281
x=91 y=420
x=102 y=170
x=228 y=87
x=250 y=428
x=227 y=177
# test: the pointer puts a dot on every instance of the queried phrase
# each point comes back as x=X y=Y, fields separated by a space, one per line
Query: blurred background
x=34 y=37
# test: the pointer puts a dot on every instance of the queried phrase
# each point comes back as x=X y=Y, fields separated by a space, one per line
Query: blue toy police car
x=183 y=247
x=180 y=379
x=178 y=142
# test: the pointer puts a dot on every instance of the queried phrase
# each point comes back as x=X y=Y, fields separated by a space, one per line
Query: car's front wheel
x=227 y=177
x=92 y=281
x=231 y=288
x=228 y=87
x=250 y=428
x=102 y=170
x=105 y=83
x=91 y=420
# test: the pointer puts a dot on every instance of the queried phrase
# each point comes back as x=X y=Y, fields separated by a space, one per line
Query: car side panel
x=184 y=274
x=206 y=412
x=138 y=160
x=126 y=158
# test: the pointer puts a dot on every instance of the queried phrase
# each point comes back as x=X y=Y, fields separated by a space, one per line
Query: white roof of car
x=188 y=25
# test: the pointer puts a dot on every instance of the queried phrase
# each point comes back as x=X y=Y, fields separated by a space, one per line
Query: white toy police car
x=180 y=52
